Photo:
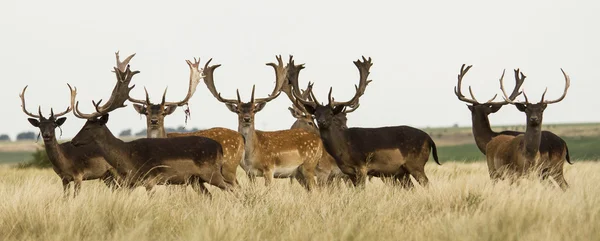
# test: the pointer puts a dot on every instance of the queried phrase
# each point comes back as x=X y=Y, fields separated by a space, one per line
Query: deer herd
x=317 y=150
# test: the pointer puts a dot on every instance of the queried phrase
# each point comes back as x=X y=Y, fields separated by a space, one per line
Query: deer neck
x=55 y=154
x=335 y=141
x=482 y=131
x=251 y=144
x=114 y=150
x=156 y=132
x=533 y=137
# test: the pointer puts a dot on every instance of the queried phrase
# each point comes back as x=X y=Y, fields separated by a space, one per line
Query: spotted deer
x=515 y=156
x=327 y=169
x=551 y=144
x=231 y=141
x=71 y=164
x=394 y=151
x=149 y=161
x=279 y=154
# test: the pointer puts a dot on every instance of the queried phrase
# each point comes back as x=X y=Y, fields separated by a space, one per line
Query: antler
x=363 y=68
x=22 y=96
x=520 y=82
x=195 y=77
x=125 y=63
x=281 y=72
x=473 y=100
x=292 y=85
x=119 y=95
x=52 y=115
x=208 y=72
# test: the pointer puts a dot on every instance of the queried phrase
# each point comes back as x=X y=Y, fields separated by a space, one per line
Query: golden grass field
x=460 y=204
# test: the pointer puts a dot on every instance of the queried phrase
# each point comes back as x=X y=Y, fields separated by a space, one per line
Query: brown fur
x=233 y=149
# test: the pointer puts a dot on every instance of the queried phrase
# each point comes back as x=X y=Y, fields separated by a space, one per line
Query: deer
x=231 y=141
x=515 y=156
x=71 y=164
x=550 y=145
x=327 y=169
x=148 y=162
x=271 y=154
x=393 y=151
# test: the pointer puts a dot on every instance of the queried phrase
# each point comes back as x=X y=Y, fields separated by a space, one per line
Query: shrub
x=39 y=159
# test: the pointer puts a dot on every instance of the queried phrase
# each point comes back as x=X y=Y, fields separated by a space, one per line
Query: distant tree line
x=30 y=135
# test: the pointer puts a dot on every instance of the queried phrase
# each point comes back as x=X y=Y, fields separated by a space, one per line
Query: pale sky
x=417 y=49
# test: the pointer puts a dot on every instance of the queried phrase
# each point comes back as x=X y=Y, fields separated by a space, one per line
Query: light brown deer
x=394 y=151
x=149 y=161
x=515 y=156
x=327 y=170
x=231 y=141
x=280 y=154
x=70 y=164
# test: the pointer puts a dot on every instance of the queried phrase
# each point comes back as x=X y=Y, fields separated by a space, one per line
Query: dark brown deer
x=394 y=151
x=327 y=170
x=515 y=156
x=149 y=161
x=551 y=145
x=70 y=163
x=231 y=141
x=280 y=154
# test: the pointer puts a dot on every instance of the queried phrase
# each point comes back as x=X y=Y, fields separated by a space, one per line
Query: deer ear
x=258 y=107
x=309 y=109
x=60 y=121
x=471 y=108
x=338 y=109
x=294 y=114
x=104 y=119
x=232 y=107
x=169 y=109
x=520 y=107
x=140 y=109
x=34 y=122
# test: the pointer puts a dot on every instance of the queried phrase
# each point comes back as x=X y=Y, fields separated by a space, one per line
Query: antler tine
x=143 y=102
x=509 y=99
x=353 y=108
x=300 y=101
x=195 y=76
x=567 y=85
x=119 y=95
x=22 y=96
x=292 y=84
x=363 y=69
x=122 y=65
x=208 y=72
x=281 y=72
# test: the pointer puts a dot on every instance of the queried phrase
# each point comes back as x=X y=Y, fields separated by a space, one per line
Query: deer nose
x=154 y=121
x=247 y=118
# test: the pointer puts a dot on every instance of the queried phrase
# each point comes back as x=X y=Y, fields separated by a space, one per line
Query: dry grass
x=460 y=204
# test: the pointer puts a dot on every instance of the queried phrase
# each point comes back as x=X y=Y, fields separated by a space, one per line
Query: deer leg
x=251 y=177
x=403 y=177
x=77 y=187
x=308 y=175
x=198 y=186
x=214 y=177
x=268 y=175
x=360 y=176
x=66 y=186
x=418 y=172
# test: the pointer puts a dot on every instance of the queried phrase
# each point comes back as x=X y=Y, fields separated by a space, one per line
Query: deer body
x=150 y=161
x=515 y=156
x=395 y=151
x=69 y=163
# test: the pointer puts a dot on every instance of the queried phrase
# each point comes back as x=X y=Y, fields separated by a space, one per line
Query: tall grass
x=460 y=204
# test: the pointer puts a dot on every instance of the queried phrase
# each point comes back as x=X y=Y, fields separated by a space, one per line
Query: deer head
x=489 y=106
x=328 y=114
x=155 y=113
x=534 y=112
x=247 y=110
x=46 y=125
x=94 y=128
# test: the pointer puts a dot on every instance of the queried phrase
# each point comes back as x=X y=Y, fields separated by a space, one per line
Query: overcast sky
x=417 y=49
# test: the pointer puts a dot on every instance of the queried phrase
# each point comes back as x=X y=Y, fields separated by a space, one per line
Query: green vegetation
x=38 y=159
x=14 y=157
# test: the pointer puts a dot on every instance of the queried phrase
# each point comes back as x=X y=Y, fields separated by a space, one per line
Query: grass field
x=460 y=204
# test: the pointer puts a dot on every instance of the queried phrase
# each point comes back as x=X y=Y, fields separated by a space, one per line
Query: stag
x=551 y=145
x=279 y=154
x=327 y=170
x=516 y=156
x=395 y=151
x=231 y=141
x=149 y=161
x=70 y=163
